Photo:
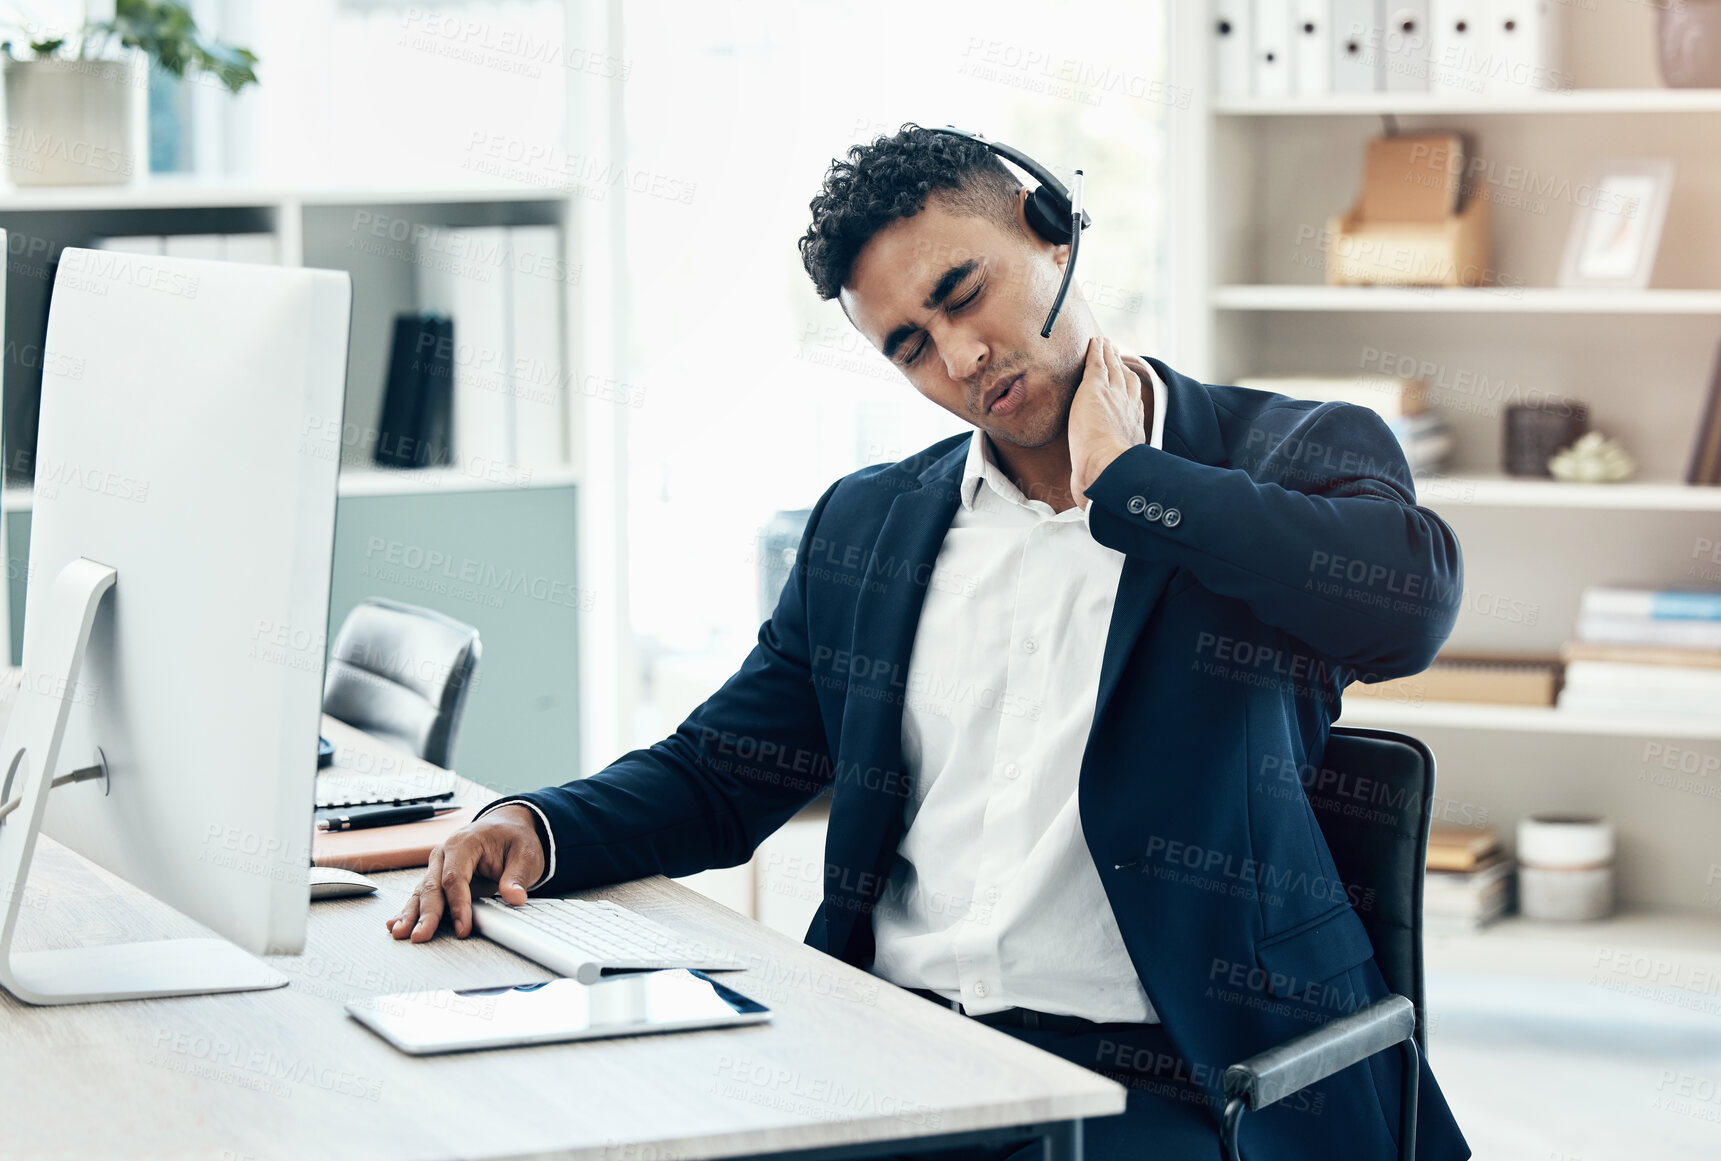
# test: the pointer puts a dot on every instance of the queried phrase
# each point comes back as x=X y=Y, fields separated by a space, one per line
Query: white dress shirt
x=994 y=900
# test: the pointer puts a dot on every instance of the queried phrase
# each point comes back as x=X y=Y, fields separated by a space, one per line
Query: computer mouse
x=334 y=883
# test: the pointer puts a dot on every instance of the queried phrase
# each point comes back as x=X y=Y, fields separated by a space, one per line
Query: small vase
x=1690 y=44
x=71 y=122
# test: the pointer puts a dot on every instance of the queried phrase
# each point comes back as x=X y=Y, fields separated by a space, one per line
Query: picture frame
x=1616 y=231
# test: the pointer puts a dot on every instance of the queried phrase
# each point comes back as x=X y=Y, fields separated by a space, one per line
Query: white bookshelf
x=166 y=192
x=1412 y=717
x=1446 y=492
x=432 y=481
x=1255 y=181
x=369 y=231
x=1589 y=952
x=359 y=481
x=1591 y=101
x=1466 y=300
x=517 y=528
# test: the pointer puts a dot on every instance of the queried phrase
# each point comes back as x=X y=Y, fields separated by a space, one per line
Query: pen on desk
x=384 y=816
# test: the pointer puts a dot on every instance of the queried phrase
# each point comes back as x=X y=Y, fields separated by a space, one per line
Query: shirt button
x=1136 y=504
x=991 y=894
x=1029 y=645
x=1173 y=517
x=980 y=990
x=1153 y=511
x=1011 y=770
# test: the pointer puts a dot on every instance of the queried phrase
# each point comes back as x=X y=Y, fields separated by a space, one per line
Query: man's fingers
x=523 y=867
x=401 y=925
x=459 y=860
x=429 y=898
x=1115 y=367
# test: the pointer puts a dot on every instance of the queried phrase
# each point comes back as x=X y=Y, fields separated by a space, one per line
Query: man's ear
x=1060 y=252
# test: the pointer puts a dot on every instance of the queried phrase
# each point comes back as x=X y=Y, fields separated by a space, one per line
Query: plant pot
x=72 y=122
x=1689 y=37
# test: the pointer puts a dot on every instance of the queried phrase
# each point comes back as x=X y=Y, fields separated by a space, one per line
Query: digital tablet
x=673 y=1000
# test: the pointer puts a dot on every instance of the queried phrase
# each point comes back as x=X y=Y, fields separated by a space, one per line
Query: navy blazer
x=1275 y=553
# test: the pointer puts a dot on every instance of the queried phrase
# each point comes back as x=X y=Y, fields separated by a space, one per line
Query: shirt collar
x=980 y=466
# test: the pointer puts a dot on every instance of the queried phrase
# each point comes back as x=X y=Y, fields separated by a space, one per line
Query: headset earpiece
x=1051 y=211
x=1049 y=215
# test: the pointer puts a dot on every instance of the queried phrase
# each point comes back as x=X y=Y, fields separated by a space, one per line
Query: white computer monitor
x=182 y=531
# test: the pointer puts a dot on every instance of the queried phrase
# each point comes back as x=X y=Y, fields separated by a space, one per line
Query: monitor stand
x=30 y=754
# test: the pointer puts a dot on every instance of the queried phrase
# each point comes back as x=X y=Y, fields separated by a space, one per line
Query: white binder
x=191 y=246
x=1460 y=51
x=538 y=369
x=462 y=273
x=1405 y=43
x=1231 y=40
x=1312 y=56
x=259 y=248
x=1525 y=39
x=1356 y=46
x=1271 y=21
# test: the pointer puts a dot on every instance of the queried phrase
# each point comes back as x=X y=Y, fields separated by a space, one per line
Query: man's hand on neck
x=1111 y=413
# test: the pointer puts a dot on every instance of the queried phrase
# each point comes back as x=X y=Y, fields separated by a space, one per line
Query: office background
x=703 y=394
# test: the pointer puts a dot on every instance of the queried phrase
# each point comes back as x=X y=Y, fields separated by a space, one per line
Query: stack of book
x=1469 y=880
x=1402 y=403
x=1645 y=651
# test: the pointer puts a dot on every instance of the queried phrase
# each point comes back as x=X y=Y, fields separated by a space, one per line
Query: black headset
x=1052 y=211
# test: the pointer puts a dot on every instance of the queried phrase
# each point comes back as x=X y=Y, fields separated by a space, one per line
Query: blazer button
x=1136 y=504
x=1173 y=517
x=1153 y=511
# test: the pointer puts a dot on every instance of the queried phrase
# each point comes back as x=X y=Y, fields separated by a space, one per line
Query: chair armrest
x=1294 y=1065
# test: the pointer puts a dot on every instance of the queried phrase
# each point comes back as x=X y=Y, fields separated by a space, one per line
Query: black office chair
x=401 y=673
x=1389 y=855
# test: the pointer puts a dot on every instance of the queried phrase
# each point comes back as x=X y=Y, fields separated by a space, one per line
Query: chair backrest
x=1372 y=798
x=401 y=673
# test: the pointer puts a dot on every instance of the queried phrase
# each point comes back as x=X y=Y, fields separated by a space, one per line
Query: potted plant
x=71 y=101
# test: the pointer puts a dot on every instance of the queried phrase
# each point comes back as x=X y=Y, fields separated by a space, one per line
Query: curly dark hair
x=893 y=178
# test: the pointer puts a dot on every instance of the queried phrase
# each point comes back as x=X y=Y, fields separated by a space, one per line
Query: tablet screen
x=673 y=1000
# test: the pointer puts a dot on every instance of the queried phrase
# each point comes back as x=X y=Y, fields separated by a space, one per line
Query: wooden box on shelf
x=1494 y=679
x=1450 y=252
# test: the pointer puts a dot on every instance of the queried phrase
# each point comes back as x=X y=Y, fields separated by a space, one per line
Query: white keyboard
x=584 y=939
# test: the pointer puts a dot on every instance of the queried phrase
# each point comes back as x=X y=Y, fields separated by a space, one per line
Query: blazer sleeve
x=739 y=767
x=1330 y=546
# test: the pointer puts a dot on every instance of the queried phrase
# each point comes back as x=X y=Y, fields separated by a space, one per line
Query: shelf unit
x=1547 y=102
x=1412 y=717
x=497 y=547
x=1687 y=945
x=1256 y=182
x=1466 y=300
x=360 y=481
x=1444 y=492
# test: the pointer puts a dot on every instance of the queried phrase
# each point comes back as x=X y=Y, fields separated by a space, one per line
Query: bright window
x=757 y=394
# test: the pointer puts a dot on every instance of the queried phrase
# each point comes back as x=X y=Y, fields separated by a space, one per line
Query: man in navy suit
x=1059 y=677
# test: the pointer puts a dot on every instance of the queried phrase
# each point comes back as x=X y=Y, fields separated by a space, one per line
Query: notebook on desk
x=386 y=848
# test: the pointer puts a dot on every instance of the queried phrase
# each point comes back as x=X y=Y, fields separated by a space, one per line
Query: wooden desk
x=849 y=1066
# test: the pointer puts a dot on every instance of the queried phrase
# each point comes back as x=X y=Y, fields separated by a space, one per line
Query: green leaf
x=166 y=32
x=47 y=47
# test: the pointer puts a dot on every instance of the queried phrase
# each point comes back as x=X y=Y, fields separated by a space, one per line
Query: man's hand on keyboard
x=502 y=847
